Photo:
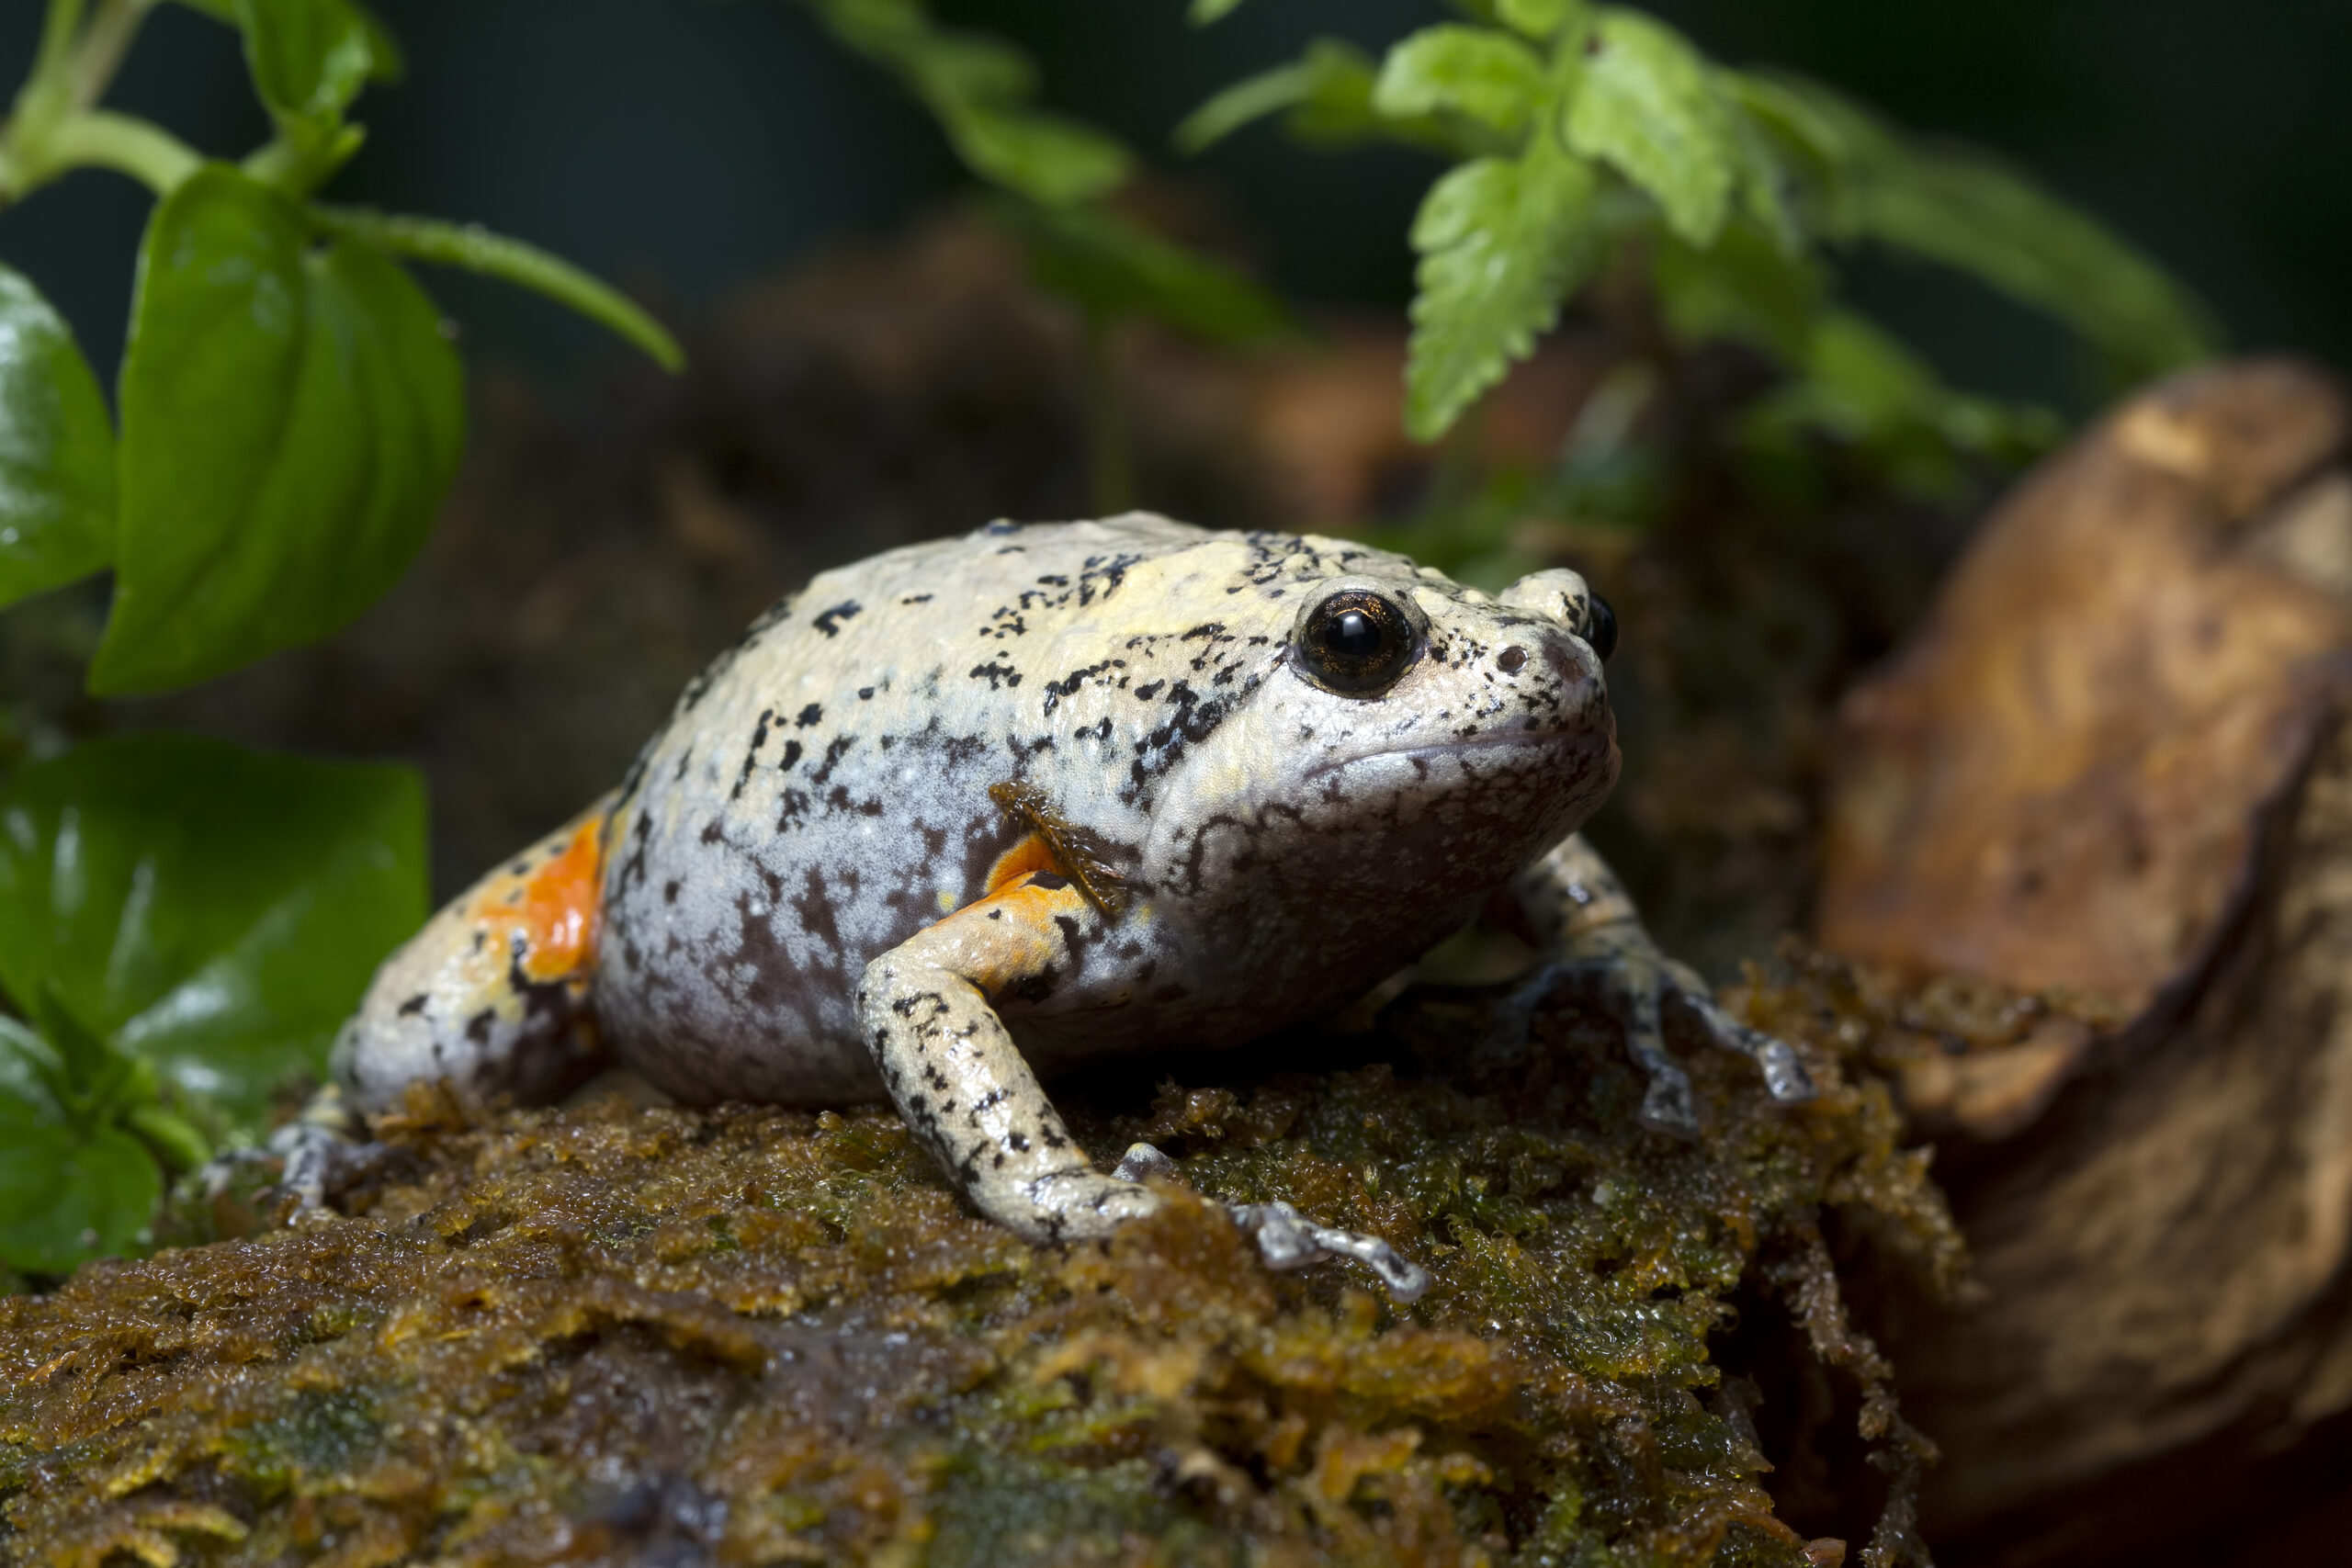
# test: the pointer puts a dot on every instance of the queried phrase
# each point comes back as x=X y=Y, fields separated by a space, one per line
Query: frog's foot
x=315 y=1148
x=1288 y=1239
x=1624 y=970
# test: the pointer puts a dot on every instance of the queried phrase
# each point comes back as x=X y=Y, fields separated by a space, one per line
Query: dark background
x=682 y=145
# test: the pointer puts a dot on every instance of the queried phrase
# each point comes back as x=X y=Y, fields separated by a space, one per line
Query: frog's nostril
x=1509 y=660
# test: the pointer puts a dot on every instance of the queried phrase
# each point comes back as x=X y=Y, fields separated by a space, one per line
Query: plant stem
x=148 y=153
x=54 y=126
x=104 y=46
x=1110 y=466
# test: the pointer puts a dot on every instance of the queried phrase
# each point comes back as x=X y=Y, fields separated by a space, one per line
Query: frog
x=956 y=819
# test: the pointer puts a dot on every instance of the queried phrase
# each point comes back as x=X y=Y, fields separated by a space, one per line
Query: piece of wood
x=2118 y=759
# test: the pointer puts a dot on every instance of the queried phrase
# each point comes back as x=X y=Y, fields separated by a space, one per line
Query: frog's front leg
x=955 y=1074
x=961 y=1083
x=1590 y=932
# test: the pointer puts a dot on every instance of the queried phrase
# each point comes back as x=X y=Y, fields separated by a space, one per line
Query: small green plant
x=183 y=924
x=1593 y=142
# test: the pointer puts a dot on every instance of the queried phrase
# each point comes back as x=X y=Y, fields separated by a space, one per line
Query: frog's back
x=821 y=793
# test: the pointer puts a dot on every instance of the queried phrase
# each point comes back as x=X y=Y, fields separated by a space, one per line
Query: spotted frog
x=968 y=813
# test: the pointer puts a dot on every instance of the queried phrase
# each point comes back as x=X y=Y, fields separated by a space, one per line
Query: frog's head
x=1414 y=741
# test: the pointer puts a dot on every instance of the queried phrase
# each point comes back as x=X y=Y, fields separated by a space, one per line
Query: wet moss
x=755 y=1335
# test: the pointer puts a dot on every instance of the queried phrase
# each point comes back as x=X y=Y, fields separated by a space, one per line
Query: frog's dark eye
x=1356 y=642
x=1599 y=626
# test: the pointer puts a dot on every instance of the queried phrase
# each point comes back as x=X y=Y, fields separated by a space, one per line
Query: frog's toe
x=1141 y=1163
x=1288 y=1239
x=1669 y=1106
x=1784 y=1075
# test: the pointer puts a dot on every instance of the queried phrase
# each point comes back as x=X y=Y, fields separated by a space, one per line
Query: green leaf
x=388 y=61
x=1042 y=156
x=69 y=1191
x=1502 y=243
x=291 y=416
x=309 y=58
x=476 y=249
x=1204 y=12
x=1969 y=213
x=1646 y=105
x=1539 y=19
x=1966 y=211
x=1490 y=76
x=56 y=450
x=1111 y=269
x=978 y=88
x=217 y=911
x=1328 y=96
x=68 y=1197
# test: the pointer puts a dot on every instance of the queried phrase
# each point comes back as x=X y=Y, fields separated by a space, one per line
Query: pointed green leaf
x=309 y=58
x=1502 y=243
x=1490 y=76
x=217 y=911
x=291 y=416
x=1646 y=105
x=56 y=450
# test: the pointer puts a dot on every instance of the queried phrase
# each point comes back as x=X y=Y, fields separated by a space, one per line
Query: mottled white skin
x=795 y=897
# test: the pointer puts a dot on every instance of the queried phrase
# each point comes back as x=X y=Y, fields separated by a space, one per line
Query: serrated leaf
x=309 y=58
x=56 y=450
x=1487 y=75
x=1110 y=268
x=1645 y=104
x=291 y=416
x=1502 y=243
x=217 y=911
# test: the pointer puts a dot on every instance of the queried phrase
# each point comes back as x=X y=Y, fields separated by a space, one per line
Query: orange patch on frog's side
x=555 y=907
x=1031 y=853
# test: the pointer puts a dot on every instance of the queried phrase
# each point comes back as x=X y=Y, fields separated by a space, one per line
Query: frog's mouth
x=1533 y=748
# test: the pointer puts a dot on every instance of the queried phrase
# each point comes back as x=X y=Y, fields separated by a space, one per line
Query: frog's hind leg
x=490 y=997
x=1590 y=932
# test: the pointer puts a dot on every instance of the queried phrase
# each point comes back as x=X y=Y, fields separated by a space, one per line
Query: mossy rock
x=612 y=1333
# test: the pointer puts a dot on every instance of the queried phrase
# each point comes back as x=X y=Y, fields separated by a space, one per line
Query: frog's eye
x=1356 y=642
x=1600 y=630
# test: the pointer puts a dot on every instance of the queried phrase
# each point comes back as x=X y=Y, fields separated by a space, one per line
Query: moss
x=756 y=1335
